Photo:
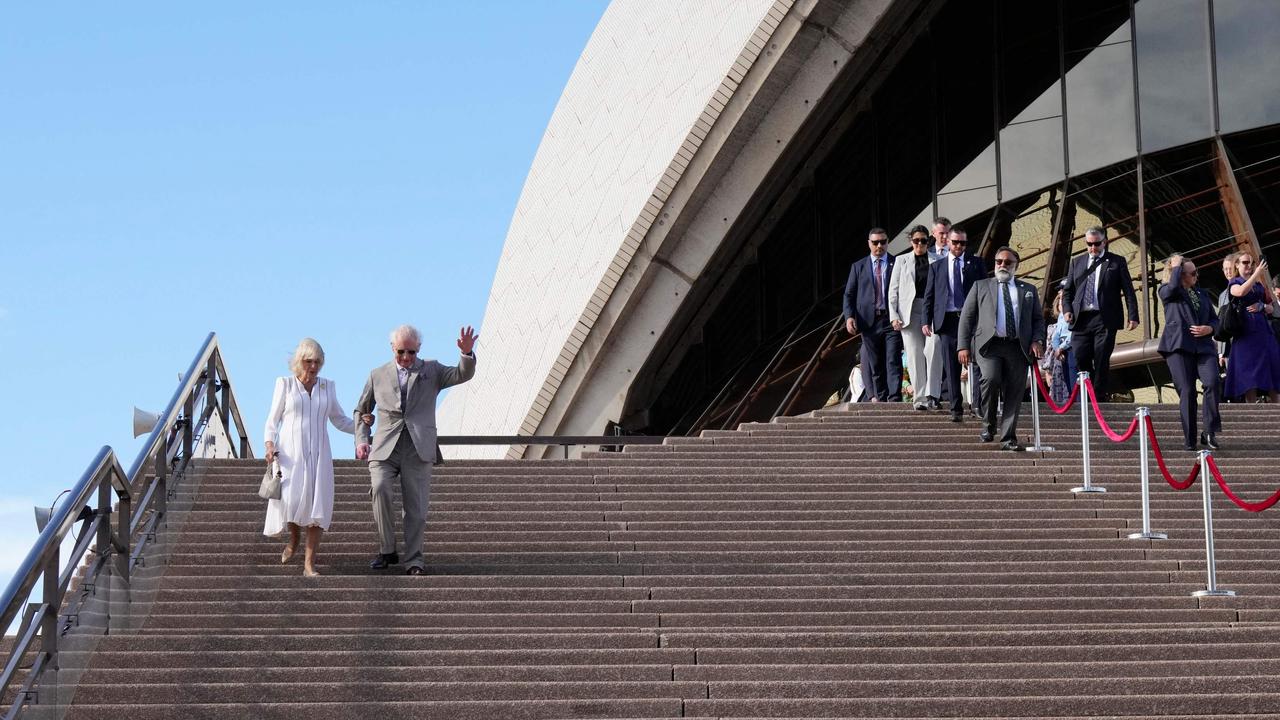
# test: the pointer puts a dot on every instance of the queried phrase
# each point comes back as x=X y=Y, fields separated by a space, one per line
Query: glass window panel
x=964 y=66
x=1185 y=212
x=1248 y=35
x=1255 y=155
x=904 y=124
x=1027 y=226
x=1100 y=105
x=1031 y=154
x=1108 y=197
x=965 y=204
x=1173 y=72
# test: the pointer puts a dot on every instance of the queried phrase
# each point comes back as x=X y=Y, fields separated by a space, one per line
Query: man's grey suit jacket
x=978 y=319
x=382 y=391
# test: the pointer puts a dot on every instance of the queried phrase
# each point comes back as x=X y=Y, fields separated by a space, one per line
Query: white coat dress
x=296 y=424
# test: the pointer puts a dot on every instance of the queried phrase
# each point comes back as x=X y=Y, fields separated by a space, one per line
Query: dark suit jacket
x=978 y=319
x=1114 y=283
x=938 y=290
x=1179 y=316
x=860 y=291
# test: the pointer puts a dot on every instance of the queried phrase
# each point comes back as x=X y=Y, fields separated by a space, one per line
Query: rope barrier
x=1251 y=507
x=1102 y=422
x=1048 y=398
x=1164 y=470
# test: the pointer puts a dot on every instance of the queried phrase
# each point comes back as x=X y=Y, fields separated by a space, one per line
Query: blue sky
x=267 y=171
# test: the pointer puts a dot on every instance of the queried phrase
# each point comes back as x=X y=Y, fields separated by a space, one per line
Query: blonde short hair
x=307 y=349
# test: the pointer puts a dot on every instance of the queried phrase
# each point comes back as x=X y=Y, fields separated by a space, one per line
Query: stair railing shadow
x=115 y=535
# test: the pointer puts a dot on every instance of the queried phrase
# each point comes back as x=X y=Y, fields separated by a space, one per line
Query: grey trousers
x=414 y=477
x=1004 y=378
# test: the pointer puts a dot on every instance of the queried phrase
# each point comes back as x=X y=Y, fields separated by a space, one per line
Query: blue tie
x=957 y=285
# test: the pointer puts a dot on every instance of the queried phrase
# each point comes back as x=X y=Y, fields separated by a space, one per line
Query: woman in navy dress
x=1187 y=345
x=1254 y=365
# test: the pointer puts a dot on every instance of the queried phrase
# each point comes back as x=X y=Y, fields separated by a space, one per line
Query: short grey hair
x=308 y=349
x=1098 y=231
x=406 y=332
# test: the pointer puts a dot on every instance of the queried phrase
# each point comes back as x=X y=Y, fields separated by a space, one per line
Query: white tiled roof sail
x=646 y=74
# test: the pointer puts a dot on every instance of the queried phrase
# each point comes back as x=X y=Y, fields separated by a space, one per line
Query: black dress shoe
x=415 y=570
x=1189 y=447
x=1209 y=441
x=384 y=560
x=957 y=417
x=985 y=437
x=1011 y=446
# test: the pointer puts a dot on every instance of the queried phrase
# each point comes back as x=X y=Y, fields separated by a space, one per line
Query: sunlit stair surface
x=865 y=561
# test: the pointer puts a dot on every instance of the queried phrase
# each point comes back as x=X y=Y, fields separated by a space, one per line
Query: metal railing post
x=1035 y=411
x=53 y=602
x=1088 y=486
x=1147 y=533
x=1211 y=566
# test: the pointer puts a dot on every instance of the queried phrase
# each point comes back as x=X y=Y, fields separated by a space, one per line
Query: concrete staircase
x=867 y=562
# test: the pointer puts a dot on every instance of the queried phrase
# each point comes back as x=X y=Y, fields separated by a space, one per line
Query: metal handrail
x=167 y=451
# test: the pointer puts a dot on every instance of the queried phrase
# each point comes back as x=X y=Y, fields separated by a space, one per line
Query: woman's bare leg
x=309 y=554
x=292 y=546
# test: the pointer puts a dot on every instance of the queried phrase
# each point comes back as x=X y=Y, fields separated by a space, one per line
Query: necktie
x=957 y=284
x=1090 y=289
x=404 y=386
x=879 y=284
x=1008 y=310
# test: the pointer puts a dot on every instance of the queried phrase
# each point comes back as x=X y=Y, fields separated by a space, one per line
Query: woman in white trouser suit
x=296 y=437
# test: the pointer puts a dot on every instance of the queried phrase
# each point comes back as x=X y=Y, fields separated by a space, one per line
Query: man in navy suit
x=866 y=310
x=1091 y=297
x=950 y=280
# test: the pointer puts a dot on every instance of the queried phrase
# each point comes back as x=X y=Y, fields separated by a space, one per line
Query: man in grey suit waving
x=1002 y=323
x=404 y=394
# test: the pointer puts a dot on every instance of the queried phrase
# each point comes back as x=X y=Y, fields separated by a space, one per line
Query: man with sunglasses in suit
x=950 y=280
x=403 y=392
x=1091 y=296
x=866 y=310
x=1002 y=330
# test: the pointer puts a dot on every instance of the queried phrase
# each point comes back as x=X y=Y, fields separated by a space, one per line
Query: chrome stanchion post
x=1146 y=533
x=1035 y=410
x=1210 y=565
x=1088 y=486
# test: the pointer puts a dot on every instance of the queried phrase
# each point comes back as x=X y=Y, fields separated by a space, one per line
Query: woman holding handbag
x=297 y=439
x=1254 y=365
x=1187 y=345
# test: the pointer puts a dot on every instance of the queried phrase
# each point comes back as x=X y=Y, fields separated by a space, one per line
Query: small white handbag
x=271 y=479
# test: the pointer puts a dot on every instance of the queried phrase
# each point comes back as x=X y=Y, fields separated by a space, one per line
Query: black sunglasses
x=878 y=242
x=959 y=242
x=919 y=241
x=406 y=352
x=1093 y=244
x=1005 y=261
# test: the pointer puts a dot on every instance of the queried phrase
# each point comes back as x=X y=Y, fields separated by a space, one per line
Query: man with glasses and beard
x=1002 y=328
x=866 y=310
x=1091 y=297
x=950 y=281
x=402 y=450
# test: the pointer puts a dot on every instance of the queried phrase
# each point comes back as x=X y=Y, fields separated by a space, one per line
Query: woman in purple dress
x=1254 y=365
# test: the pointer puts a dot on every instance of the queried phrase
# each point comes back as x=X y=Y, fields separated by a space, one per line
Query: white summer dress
x=296 y=424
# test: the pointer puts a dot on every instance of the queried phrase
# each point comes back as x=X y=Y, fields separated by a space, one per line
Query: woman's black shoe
x=1209 y=441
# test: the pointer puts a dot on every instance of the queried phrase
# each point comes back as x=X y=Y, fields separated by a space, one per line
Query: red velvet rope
x=1251 y=507
x=1102 y=422
x=1155 y=447
x=1048 y=397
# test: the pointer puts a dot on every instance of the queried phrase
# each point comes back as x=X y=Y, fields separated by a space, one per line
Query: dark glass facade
x=1026 y=123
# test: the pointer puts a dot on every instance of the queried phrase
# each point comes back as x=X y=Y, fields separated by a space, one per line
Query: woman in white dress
x=296 y=437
